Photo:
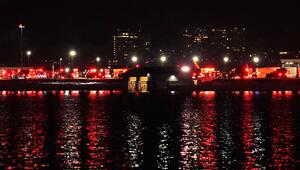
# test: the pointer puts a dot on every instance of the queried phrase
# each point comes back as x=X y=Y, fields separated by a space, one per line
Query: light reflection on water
x=282 y=132
x=164 y=156
x=252 y=135
x=134 y=141
x=112 y=130
x=199 y=138
x=68 y=139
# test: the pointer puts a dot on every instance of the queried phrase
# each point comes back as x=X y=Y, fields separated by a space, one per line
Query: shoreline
x=113 y=84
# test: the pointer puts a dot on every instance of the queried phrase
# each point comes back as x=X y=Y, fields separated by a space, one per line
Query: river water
x=114 y=130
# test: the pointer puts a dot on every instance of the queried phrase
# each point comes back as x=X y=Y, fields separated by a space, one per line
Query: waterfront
x=116 y=130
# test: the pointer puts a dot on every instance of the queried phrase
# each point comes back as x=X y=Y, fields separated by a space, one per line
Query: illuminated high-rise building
x=128 y=43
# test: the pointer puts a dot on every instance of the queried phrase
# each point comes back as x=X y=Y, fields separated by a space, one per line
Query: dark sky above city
x=54 y=27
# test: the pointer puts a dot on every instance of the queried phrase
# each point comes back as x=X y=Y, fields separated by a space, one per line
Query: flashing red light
x=61 y=70
x=137 y=66
x=194 y=74
x=40 y=69
x=279 y=74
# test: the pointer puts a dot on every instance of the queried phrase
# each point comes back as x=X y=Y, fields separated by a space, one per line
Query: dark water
x=113 y=130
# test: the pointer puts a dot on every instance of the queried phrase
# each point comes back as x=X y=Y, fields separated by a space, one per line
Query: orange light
x=93 y=93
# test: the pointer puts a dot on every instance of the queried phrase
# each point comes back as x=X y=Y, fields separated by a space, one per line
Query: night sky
x=54 y=27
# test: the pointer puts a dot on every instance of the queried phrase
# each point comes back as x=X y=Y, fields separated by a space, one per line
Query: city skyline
x=54 y=28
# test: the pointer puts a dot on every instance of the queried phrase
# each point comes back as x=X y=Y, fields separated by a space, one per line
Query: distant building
x=128 y=43
x=214 y=43
x=283 y=54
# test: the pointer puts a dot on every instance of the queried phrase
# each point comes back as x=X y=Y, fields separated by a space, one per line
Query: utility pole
x=21 y=43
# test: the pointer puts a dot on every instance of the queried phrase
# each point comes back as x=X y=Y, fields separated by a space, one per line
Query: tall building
x=214 y=43
x=128 y=43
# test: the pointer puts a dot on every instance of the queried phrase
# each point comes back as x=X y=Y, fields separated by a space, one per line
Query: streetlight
x=255 y=60
x=97 y=60
x=28 y=53
x=163 y=59
x=134 y=59
x=60 y=60
x=195 y=59
x=72 y=54
x=226 y=59
x=21 y=26
x=67 y=70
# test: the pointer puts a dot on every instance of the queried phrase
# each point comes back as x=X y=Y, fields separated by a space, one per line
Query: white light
x=28 y=53
x=172 y=78
x=21 y=26
x=163 y=59
x=72 y=53
x=195 y=59
x=67 y=70
x=60 y=59
x=185 y=69
x=67 y=93
x=134 y=59
x=226 y=59
x=98 y=59
x=172 y=92
x=255 y=59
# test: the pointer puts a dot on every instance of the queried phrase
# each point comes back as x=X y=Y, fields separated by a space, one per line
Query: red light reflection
x=248 y=133
x=40 y=93
x=194 y=94
x=199 y=145
x=282 y=133
x=74 y=93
